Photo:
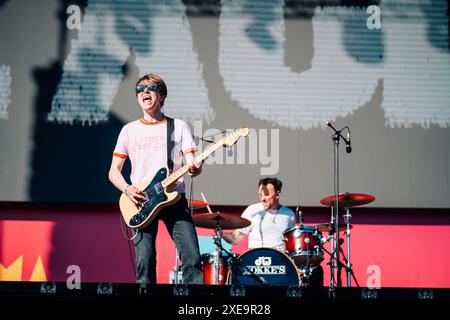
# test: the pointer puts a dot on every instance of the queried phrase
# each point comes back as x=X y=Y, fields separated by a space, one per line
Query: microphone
x=197 y=138
x=299 y=216
x=348 y=143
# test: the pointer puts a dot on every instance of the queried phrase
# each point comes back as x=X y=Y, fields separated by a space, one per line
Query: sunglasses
x=149 y=87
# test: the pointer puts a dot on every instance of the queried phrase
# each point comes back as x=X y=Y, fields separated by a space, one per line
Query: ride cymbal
x=348 y=199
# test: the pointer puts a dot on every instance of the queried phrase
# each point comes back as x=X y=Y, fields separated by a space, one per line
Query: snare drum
x=209 y=268
x=304 y=245
x=263 y=266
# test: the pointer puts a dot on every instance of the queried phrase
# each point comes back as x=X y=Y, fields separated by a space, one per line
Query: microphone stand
x=335 y=210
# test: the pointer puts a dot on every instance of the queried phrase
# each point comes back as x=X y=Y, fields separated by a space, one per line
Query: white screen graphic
x=416 y=75
x=158 y=34
x=5 y=90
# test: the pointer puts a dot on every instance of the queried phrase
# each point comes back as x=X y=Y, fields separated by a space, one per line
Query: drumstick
x=207 y=204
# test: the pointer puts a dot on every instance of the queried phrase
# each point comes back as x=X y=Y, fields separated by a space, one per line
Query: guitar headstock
x=233 y=137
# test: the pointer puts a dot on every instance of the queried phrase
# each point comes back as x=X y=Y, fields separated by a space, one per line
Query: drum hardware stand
x=176 y=267
x=345 y=265
x=217 y=242
x=348 y=268
x=234 y=262
x=219 y=247
x=306 y=270
x=347 y=216
x=217 y=226
x=335 y=210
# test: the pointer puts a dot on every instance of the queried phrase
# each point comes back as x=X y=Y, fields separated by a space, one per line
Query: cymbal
x=326 y=227
x=222 y=220
x=197 y=204
x=348 y=199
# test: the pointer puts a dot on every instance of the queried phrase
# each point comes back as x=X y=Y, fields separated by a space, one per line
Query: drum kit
x=304 y=248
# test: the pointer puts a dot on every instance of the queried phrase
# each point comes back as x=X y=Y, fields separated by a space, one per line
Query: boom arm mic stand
x=334 y=258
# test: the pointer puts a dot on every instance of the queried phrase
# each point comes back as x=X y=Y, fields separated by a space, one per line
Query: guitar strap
x=170 y=143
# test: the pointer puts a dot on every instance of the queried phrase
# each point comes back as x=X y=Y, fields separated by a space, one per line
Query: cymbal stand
x=234 y=262
x=343 y=265
x=347 y=217
x=218 y=244
x=176 y=267
x=348 y=269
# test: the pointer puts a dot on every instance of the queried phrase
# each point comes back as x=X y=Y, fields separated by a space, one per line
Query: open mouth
x=147 y=99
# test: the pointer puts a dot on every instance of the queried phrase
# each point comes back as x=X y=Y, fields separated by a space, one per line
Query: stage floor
x=215 y=302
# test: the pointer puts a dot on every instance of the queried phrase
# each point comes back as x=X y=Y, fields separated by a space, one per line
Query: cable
x=215 y=134
x=191 y=192
x=125 y=235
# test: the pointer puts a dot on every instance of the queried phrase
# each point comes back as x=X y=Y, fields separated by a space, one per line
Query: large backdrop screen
x=281 y=68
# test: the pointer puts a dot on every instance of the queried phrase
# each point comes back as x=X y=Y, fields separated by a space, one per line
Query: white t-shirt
x=145 y=144
x=267 y=227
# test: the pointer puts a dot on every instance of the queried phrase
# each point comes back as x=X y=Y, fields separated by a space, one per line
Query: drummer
x=269 y=219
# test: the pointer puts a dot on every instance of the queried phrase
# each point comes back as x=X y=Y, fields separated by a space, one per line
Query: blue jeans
x=179 y=224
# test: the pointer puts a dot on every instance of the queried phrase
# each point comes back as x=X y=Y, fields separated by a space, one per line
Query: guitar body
x=158 y=198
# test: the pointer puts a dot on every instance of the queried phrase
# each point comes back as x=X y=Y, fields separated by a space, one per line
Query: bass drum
x=263 y=266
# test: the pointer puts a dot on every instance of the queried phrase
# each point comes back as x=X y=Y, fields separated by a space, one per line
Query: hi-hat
x=222 y=220
x=348 y=199
x=326 y=227
x=197 y=204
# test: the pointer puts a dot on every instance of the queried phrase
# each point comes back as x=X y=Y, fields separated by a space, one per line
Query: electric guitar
x=158 y=190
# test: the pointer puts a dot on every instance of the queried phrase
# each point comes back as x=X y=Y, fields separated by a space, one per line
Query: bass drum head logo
x=263 y=261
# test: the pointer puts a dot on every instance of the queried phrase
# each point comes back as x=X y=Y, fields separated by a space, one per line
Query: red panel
x=29 y=239
x=92 y=241
x=409 y=254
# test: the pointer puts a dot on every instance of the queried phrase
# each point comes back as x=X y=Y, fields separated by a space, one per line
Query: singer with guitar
x=153 y=143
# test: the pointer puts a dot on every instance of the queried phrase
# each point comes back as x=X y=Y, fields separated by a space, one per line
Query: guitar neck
x=184 y=169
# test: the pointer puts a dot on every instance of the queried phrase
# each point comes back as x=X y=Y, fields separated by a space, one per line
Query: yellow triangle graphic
x=13 y=272
x=38 y=273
